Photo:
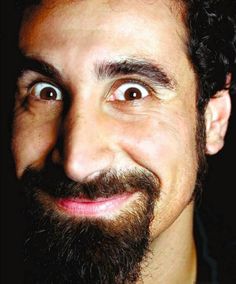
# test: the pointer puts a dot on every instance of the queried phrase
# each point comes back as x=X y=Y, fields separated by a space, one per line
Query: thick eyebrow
x=103 y=70
x=35 y=64
x=144 y=68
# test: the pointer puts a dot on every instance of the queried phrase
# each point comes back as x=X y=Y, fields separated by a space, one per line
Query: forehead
x=127 y=17
x=89 y=31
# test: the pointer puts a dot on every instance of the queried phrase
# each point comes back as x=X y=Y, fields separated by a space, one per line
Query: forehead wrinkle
x=178 y=29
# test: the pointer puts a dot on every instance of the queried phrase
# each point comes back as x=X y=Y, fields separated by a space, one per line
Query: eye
x=130 y=91
x=46 y=91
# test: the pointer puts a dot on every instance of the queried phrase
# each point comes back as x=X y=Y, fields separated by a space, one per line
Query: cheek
x=168 y=150
x=32 y=140
x=161 y=146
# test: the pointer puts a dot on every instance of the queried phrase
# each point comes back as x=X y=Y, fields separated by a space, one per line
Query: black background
x=217 y=204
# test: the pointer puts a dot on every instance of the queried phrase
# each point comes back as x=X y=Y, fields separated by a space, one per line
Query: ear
x=216 y=116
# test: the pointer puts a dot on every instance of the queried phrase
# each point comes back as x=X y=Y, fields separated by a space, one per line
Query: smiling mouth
x=100 y=207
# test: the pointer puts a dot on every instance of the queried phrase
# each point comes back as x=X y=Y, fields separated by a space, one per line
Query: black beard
x=66 y=249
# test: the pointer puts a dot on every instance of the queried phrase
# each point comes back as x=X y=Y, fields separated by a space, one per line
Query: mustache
x=53 y=180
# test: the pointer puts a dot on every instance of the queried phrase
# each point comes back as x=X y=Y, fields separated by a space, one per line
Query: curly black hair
x=212 y=44
x=211 y=26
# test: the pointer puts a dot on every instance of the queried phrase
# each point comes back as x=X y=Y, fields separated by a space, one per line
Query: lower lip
x=101 y=207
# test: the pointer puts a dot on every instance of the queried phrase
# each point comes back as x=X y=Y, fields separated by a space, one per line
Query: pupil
x=48 y=94
x=133 y=94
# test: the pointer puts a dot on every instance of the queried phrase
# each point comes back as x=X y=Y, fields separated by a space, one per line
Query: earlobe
x=216 y=117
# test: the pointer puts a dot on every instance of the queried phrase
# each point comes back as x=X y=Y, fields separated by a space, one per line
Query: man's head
x=114 y=114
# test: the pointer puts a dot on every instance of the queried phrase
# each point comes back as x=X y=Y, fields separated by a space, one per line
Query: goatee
x=61 y=248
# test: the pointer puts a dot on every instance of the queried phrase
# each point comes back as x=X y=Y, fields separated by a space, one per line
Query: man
x=117 y=104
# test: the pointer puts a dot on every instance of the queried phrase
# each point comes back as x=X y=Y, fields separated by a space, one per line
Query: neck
x=173 y=253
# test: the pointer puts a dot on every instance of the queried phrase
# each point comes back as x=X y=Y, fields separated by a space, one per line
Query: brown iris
x=48 y=93
x=132 y=94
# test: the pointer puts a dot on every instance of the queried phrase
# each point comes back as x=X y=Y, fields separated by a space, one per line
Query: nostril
x=56 y=156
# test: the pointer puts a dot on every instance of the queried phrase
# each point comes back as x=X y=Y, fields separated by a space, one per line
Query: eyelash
x=27 y=83
x=121 y=81
x=37 y=81
x=26 y=86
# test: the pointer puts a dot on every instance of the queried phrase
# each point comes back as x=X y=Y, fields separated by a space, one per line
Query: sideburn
x=201 y=151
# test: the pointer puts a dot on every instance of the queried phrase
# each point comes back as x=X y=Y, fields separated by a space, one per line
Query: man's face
x=121 y=97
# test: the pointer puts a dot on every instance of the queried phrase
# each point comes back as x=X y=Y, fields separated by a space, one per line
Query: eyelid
x=37 y=85
x=28 y=78
x=123 y=81
x=35 y=82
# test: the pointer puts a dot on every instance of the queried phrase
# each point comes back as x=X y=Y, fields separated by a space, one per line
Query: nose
x=86 y=146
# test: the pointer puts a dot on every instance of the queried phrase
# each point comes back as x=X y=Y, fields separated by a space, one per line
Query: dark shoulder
x=216 y=248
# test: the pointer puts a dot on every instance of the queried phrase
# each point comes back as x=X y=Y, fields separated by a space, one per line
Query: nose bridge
x=86 y=144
